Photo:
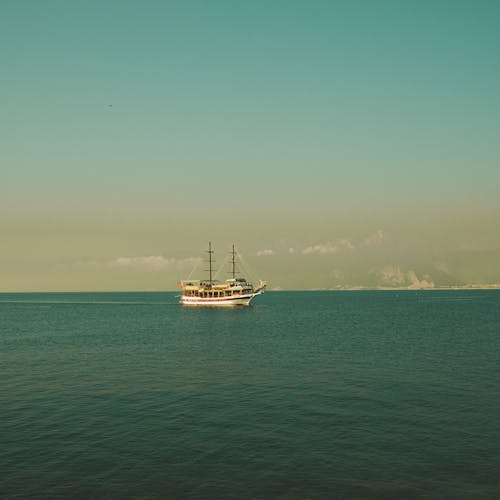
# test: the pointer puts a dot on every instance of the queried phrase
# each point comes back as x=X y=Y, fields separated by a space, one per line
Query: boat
x=235 y=291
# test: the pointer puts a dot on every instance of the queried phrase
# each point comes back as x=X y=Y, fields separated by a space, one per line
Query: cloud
x=153 y=262
x=329 y=248
x=345 y=244
x=265 y=253
x=375 y=239
x=393 y=277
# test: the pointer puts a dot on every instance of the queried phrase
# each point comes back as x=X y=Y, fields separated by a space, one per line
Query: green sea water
x=304 y=395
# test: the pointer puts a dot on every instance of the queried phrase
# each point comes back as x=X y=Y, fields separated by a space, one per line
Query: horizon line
x=491 y=286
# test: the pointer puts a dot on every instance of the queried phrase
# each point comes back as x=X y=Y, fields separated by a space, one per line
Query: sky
x=338 y=144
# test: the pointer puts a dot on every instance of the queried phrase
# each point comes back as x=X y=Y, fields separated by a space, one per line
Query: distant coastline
x=494 y=286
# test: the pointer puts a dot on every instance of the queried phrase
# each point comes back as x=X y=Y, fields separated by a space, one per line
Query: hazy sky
x=352 y=143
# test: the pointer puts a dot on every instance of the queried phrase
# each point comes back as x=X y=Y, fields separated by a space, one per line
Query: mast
x=233 y=262
x=210 y=252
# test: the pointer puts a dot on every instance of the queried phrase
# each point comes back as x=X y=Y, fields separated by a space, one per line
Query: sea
x=324 y=394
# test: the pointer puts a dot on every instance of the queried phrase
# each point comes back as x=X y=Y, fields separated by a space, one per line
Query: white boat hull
x=234 y=300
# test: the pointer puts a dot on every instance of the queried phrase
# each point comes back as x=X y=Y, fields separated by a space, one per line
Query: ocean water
x=304 y=395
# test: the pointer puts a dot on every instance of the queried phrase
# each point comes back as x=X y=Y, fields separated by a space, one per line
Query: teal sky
x=337 y=143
